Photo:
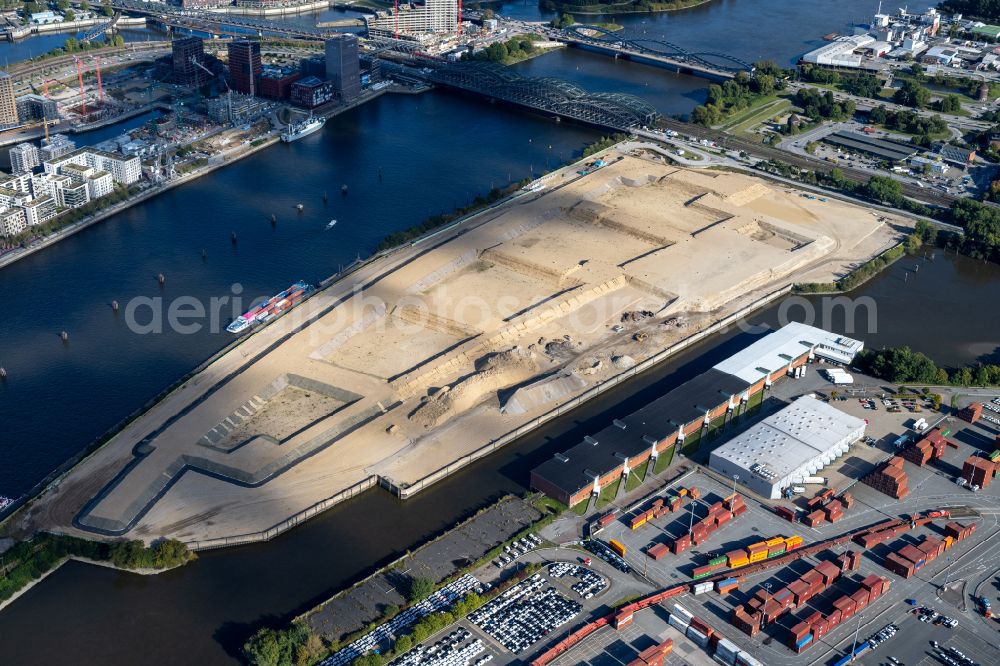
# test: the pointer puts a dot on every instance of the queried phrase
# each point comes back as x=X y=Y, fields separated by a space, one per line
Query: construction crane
x=229 y=92
x=79 y=76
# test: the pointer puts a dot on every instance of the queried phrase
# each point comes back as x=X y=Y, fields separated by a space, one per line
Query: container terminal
x=685 y=563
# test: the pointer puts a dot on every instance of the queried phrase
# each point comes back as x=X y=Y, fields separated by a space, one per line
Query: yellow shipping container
x=739 y=561
x=758 y=556
x=948 y=542
x=682 y=492
x=640 y=523
x=617 y=547
x=775 y=541
x=794 y=539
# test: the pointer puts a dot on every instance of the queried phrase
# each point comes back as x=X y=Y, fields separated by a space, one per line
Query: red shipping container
x=815 y=518
x=606 y=519
x=799 y=630
x=741 y=509
x=833 y=618
x=828 y=570
x=722 y=518
x=785 y=513
x=860 y=599
x=819 y=628
x=912 y=554
x=702 y=626
x=657 y=551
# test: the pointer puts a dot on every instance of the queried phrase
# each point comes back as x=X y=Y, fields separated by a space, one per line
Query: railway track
x=731 y=142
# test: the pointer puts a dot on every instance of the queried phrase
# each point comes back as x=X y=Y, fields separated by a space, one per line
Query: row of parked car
x=525 y=613
x=589 y=584
x=516 y=550
x=455 y=649
x=955 y=657
x=440 y=600
x=604 y=552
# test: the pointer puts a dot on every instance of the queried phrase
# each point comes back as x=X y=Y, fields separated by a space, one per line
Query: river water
x=435 y=150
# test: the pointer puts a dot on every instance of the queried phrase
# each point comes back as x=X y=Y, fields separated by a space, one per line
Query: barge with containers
x=271 y=308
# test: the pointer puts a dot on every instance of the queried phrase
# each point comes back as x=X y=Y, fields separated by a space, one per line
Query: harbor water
x=435 y=151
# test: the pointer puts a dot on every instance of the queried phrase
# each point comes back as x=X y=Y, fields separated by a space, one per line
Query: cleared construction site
x=420 y=359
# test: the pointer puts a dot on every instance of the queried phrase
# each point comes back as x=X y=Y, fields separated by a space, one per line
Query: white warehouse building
x=786 y=447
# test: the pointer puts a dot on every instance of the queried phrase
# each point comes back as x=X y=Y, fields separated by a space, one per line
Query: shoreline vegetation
x=589 y=8
x=27 y=562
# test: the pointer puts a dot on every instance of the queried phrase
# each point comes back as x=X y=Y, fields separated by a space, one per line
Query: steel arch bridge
x=551 y=95
x=657 y=47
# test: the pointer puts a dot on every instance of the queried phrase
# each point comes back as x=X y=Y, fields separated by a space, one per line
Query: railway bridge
x=705 y=64
x=547 y=95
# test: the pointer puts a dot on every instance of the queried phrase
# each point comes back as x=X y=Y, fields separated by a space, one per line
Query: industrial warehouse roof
x=776 y=349
x=631 y=435
x=786 y=441
x=894 y=151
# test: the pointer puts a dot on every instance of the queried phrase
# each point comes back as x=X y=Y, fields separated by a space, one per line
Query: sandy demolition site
x=457 y=346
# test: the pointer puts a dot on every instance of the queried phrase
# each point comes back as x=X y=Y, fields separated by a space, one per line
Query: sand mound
x=493 y=373
x=545 y=390
x=623 y=362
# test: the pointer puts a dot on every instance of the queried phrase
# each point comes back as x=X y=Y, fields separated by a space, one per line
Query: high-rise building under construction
x=244 y=66
x=8 y=102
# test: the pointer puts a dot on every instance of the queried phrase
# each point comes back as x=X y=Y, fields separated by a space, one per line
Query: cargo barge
x=271 y=308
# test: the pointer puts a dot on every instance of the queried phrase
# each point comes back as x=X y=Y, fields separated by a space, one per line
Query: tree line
x=739 y=93
x=901 y=365
x=27 y=561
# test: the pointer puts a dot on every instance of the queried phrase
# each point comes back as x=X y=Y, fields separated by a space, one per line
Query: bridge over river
x=706 y=64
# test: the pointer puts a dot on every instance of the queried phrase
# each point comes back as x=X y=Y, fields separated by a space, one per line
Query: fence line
x=288 y=523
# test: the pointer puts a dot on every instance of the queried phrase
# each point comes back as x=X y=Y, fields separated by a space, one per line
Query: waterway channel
x=435 y=150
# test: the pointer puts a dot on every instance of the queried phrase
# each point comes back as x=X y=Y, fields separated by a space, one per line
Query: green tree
x=68 y=15
x=917 y=70
x=950 y=104
x=84 y=6
x=912 y=94
x=884 y=189
x=420 y=588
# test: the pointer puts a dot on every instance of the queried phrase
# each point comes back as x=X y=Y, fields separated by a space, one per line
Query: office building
x=35 y=107
x=276 y=82
x=343 y=67
x=8 y=103
x=432 y=17
x=313 y=66
x=24 y=157
x=310 y=92
x=188 y=53
x=244 y=66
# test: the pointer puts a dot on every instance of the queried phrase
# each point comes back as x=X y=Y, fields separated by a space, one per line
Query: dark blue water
x=435 y=152
x=25 y=49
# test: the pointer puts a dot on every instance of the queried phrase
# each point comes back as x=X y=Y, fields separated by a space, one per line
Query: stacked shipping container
x=978 y=471
x=807 y=632
x=971 y=413
x=889 y=478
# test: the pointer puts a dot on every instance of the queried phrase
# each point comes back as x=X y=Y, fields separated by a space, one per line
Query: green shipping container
x=775 y=553
x=721 y=559
x=701 y=575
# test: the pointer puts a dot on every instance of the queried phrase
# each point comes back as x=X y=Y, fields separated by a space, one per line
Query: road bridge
x=218 y=23
x=548 y=95
x=705 y=64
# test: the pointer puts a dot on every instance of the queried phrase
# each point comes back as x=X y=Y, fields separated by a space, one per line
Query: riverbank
x=28 y=563
x=389 y=427
x=621 y=9
x=231 y=158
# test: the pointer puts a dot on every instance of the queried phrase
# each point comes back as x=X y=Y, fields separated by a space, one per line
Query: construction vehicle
x=639 y=337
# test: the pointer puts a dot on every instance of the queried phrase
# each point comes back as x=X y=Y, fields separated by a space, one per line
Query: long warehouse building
x=724 y=391
x=787 y=447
